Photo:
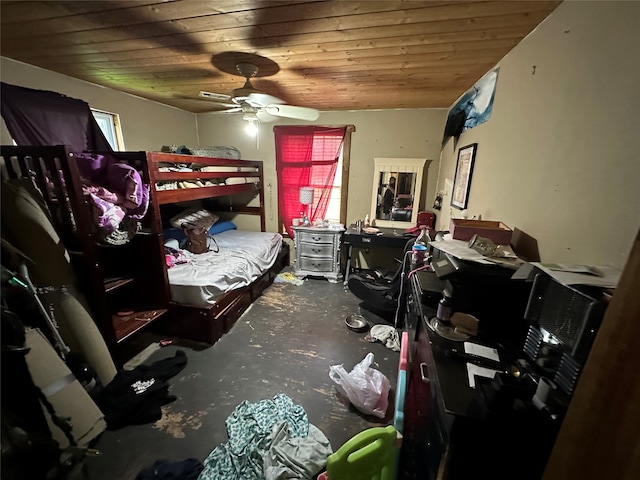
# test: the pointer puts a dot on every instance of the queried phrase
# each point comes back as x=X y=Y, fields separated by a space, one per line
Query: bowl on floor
x=356 y=323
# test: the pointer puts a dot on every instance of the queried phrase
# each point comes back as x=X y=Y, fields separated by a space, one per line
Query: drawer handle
x=424 y=375
x=316 y=239
x=316 y=250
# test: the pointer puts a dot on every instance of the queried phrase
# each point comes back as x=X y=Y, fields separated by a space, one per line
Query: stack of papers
x=598 y=276
x=473 y=370
x=483 y=352
x=573 y=268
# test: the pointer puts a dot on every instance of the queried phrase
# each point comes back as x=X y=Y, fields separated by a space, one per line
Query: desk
x=387 y=237
x=453 y=427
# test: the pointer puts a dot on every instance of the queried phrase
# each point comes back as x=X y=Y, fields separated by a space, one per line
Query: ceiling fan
x=257 y=106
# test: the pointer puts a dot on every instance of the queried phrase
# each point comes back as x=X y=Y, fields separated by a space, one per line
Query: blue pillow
x=223 y=226
x=176 y=233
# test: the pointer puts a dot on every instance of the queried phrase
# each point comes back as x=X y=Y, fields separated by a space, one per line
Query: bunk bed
x=206 y=305
x=125 y=285
x=125 y=277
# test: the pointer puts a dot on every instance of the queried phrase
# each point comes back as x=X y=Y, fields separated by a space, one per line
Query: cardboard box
x=462 y=229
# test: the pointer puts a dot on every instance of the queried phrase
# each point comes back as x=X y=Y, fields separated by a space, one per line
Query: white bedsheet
x=242 y=258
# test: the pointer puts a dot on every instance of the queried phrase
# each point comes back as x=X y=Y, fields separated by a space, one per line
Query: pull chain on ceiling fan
x=256 y=105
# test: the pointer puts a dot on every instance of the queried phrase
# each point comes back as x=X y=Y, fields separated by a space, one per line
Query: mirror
x=396 y=191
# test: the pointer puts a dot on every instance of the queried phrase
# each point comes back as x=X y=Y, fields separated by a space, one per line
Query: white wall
x=388 y=133
x=558 y=159
x=146 y=125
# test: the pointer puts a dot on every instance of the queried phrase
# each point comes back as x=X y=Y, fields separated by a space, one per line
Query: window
x=317 y=157
x=109 y=123
x=333 y=209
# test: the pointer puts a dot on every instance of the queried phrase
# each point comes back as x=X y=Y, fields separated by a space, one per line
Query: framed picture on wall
x=462 y=179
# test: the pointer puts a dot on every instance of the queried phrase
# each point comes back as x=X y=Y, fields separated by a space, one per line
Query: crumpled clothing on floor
x=288 y=277
x=296 y=457
x=135 y=397
x=188 y=469
x=385 y=334
x=250 y=428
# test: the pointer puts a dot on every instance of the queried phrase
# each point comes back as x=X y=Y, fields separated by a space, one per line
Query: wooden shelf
x=126 y=325
x=184 y=194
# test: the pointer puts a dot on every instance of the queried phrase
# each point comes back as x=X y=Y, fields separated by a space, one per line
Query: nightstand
x=318 y=252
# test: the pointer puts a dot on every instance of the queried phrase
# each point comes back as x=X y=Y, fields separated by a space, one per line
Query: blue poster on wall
x=473 y=108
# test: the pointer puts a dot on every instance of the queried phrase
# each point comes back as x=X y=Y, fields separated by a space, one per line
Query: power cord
x=426 y=266
x=401 y=293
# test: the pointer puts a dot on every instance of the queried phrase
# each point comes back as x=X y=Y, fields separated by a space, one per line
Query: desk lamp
x=306 y=199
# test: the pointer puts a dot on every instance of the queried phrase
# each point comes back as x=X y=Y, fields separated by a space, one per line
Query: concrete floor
x=286 y=343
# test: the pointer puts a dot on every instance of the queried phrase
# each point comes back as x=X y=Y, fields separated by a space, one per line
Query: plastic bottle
x=419 y=249
x=418 y=253
x=423 y=238
x=366 y=220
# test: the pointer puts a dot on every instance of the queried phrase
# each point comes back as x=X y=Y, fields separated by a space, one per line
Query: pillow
x=194 y=218
x=174 y=233
x=172 y=243
x=222 y=227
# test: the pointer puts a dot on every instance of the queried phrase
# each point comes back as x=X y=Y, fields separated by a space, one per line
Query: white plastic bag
x=366 y=387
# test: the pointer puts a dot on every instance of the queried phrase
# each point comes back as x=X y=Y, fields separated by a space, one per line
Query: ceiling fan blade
x=216 y=97
x=263 y=99
x=292 y=111
x=265 y=117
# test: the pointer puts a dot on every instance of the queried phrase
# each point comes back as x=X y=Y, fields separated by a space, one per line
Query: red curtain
x=306 y=156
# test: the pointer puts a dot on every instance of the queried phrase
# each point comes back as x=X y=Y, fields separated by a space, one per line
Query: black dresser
x=453 y=431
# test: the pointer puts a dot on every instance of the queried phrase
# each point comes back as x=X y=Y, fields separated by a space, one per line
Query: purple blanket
x=115 y=189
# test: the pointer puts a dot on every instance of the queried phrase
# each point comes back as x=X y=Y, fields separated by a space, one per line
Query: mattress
x=242 y=258
x=241 y=180
x=221 y=168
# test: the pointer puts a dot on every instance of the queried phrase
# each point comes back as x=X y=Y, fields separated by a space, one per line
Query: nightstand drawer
x=316 y=250
x=316 y=264
x=316 y=237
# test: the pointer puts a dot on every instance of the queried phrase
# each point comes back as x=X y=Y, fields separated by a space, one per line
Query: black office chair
x=379 y=289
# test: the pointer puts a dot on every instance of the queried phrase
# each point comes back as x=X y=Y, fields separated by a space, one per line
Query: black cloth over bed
x=41 y=118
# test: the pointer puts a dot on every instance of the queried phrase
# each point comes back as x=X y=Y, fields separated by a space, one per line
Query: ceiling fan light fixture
x=250 y=116
x=252 y=123
x=252 y=128
x=257 y=106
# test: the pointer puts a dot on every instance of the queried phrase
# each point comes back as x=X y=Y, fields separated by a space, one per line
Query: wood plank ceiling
x=330 y=55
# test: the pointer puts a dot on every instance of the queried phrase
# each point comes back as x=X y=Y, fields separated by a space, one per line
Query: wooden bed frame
x=208 y=324
x=71 y=215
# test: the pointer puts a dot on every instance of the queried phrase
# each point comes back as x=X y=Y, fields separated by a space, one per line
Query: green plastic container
x=369 y=455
